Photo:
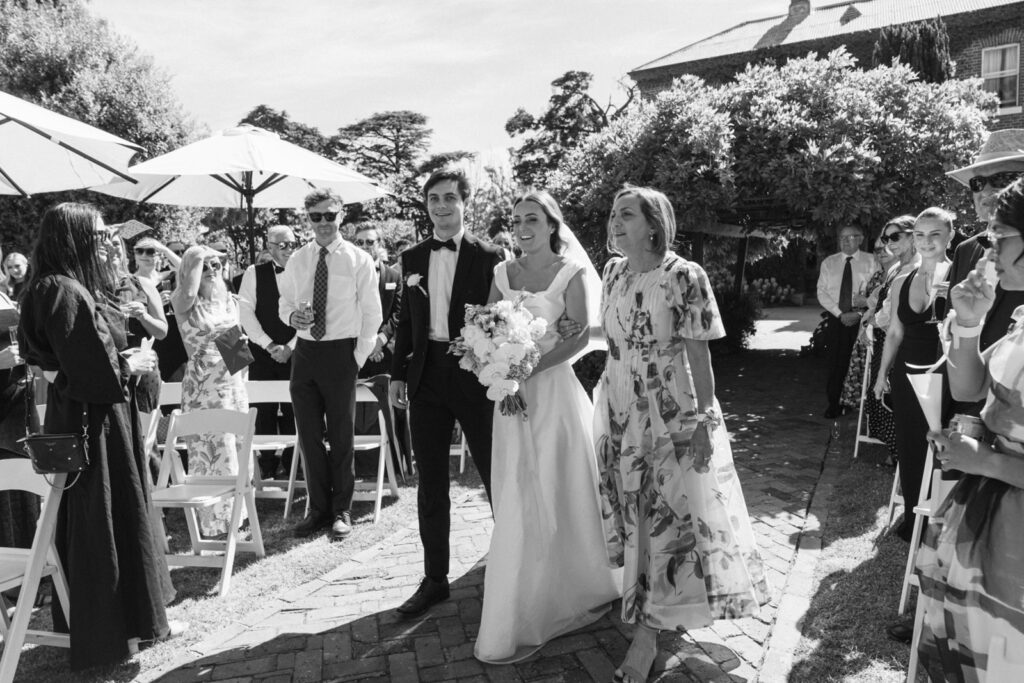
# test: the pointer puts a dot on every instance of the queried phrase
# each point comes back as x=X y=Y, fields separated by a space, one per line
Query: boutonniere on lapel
x=415 y=280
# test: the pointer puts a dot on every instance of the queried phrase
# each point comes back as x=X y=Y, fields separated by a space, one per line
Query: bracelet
x=965 y=332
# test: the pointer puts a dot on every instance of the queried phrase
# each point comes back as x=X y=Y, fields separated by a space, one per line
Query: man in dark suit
x=379 y=363
x=270 y=340
x=442 y=274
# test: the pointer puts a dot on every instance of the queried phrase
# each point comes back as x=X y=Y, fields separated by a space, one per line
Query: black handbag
x=55 y=453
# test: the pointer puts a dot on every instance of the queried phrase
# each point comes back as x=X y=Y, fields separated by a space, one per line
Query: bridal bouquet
x=499 y=346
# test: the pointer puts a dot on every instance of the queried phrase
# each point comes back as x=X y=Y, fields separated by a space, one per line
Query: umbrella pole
x=250 y=228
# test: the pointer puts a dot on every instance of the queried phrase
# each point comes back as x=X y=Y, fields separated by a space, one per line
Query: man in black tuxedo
x=271 y=340
x=442 y=274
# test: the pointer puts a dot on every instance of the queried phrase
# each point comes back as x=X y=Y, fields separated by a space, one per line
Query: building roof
x=824 y=21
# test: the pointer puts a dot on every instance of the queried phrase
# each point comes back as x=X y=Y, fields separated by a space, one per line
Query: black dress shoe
x=310 y=525
x=430 y=592
x=901 y=631
x=341 y=527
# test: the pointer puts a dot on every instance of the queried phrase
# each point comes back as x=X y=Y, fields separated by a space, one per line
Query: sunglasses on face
x=893 y=237
x=284 y=245
x=328 y=216
x=211 y=265
x=997 y=180
x=365 y=243
x=145 y=251
x=990 y=238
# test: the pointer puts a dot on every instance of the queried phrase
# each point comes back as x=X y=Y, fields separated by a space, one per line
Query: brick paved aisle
x=342 y=626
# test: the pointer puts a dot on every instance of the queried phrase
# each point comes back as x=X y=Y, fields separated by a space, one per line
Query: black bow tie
x=436 y=244
x=278 y=269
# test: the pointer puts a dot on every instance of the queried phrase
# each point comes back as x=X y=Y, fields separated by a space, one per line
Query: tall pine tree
x=924 y=46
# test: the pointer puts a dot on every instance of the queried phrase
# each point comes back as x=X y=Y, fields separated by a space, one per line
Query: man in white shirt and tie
x=329 y=294
x=841 y=283
x=271 y=340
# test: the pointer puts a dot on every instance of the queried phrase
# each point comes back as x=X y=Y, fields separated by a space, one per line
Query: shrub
x=739 y=316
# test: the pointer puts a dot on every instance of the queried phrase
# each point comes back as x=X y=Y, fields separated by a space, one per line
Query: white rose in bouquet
x=502 y=388
x=511 y=353
x=493 y=373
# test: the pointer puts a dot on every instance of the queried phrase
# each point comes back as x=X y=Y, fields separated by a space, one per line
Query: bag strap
x=31 y=417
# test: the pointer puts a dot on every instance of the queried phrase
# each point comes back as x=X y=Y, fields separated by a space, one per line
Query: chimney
x=798 y=9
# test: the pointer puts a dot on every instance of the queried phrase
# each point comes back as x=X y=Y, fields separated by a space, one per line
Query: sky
x=466 y=64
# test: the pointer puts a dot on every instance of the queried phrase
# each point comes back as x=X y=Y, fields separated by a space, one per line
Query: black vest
x=267 y=297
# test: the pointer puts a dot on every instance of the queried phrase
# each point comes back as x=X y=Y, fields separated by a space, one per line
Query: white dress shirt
x=247 y=310
x=353 y=302
x=440 y=275
x=830 y=278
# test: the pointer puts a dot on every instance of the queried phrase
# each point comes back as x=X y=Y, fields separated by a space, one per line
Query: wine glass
x=939 y=290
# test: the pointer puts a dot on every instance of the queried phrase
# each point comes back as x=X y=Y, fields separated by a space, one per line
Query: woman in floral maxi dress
x=679 y=522
x=205 y=310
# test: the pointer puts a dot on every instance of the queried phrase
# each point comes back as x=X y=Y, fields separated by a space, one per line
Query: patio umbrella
x=43 y=151
x=243 y=167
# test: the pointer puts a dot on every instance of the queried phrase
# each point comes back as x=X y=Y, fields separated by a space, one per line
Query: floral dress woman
x=208 y=384
x=679 y=525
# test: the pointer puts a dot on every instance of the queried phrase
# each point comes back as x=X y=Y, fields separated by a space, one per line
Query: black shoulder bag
x=55 y=453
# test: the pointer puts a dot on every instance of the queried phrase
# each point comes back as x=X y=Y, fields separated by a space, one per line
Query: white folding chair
x=863 y=420
x=367 y=490
x=191 y=492
x=24 y=568
x=934 y=490
x=276 y=391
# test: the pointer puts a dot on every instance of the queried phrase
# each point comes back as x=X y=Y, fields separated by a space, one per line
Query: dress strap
x=501 y=279
x=562 y=277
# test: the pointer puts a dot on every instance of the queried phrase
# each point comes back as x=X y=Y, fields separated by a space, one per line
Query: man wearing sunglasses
x=270 y=339
x=329 y=294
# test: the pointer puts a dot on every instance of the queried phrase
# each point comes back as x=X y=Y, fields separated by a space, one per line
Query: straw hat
x=1003 y=151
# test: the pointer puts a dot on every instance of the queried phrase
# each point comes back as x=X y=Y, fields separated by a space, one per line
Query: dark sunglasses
x=328 y=216
x=990 y=239
x=997 y=180
x=893 y=236
x=365 y=243
x=145 y=251
x=211 y=265
x=285 y=245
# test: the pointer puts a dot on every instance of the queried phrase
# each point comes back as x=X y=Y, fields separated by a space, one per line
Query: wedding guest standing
x=116 y=570
x=970 y=564
x=329 y=294
x=667 y=473
x=205 y=310
x=841 y=283
x=150 y=255
x=270 y=340
x=16 y=269
x=442 y=274
x=913 y=338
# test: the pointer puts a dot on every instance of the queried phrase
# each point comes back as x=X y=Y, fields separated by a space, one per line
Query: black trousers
x=266 y=369
x=323 y=388
x=438 y=403
x=840 y=339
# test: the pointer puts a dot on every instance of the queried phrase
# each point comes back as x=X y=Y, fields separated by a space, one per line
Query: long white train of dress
x=548 y=571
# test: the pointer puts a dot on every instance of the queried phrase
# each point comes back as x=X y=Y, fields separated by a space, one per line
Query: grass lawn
x=858 y=580
x=289 y=563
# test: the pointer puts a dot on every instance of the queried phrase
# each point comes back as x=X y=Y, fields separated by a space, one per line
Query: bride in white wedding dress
x=548 y=571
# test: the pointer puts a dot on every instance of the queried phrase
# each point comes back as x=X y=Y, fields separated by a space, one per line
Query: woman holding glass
x=71 y=328
x=913 y=339
x=970 y=564
x=205 y=310
x=679 y=524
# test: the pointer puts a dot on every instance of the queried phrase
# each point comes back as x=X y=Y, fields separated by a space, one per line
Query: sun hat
x=1002 y=151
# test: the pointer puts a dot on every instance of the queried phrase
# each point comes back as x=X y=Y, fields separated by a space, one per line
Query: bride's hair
x=550 y=208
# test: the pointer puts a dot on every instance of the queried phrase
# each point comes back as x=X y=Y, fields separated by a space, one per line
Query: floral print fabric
x=679 y=524
x=208 y=384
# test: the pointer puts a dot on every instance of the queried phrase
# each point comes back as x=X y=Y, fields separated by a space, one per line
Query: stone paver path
x=343 y=627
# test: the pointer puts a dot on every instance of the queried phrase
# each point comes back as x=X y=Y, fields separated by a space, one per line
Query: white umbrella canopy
x=43 y=151
x=242 y=167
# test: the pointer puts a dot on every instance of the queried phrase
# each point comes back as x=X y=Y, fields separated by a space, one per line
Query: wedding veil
x=574 y=251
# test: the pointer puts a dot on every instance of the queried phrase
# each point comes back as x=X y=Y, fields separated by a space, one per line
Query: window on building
x=1000 y=67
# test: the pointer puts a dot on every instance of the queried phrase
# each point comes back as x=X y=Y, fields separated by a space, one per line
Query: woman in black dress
x=72 y=329
x=913 y=338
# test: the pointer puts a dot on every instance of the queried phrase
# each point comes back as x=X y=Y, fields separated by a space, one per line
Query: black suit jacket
x=389 y=282
x=472 y=285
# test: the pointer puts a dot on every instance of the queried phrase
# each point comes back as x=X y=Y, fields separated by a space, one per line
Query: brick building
x=985 y=39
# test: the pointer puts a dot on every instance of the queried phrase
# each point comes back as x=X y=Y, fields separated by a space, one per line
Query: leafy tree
x=307 y=137
x=57 y=55
x=571 y=115
x=923 y=45
x=387 y=144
